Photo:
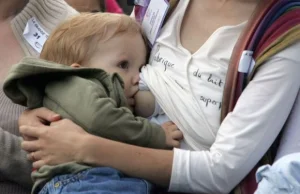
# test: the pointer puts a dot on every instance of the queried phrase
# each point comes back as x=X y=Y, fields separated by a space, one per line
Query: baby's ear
x=75 y=65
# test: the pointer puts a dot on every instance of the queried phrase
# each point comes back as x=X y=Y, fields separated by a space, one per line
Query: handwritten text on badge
x=35 y=35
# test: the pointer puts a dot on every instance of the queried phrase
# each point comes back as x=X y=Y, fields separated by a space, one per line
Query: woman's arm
x=290 y=140
x=150 y=164
x=246 y=133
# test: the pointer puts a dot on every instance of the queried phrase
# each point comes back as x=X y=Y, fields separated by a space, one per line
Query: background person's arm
x=17 y=168
x=14 y=165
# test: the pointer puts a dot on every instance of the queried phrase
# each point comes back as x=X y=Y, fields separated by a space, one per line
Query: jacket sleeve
x=88 y=104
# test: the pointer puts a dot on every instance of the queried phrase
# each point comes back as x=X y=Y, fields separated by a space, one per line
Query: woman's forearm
x=150 y=164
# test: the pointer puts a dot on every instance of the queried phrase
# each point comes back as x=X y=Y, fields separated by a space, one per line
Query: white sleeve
x=290 y=140
x=246 y=133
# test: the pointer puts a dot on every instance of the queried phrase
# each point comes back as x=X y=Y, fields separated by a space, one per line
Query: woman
x=15 y=169
x=199 y=49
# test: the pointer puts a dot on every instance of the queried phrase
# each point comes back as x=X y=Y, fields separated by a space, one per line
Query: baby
x=89 y=73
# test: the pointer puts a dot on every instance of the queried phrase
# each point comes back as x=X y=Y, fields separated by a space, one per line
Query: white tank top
x=189 y=87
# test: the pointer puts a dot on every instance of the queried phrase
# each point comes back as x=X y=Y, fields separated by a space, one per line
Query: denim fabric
x=102 y=180
x=283 y=177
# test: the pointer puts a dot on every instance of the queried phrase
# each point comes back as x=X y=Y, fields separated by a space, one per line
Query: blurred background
x=112 y=6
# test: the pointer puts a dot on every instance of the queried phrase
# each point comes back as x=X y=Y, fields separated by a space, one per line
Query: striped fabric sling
x=273 y=26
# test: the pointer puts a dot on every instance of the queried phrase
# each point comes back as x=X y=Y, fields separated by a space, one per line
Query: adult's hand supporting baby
x=37 y=117
x=44 y=149
x=63 y=141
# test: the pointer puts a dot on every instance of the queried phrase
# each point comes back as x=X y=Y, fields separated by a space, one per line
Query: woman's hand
x=38 y=117
x=63 y=141
x=55 y=144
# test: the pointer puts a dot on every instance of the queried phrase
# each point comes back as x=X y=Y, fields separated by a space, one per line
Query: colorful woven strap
x=230 y=89
x=273 y=27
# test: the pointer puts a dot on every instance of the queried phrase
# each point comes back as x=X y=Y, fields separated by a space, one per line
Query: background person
x=15 y=169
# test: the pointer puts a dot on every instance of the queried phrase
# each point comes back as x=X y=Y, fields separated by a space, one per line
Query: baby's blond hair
x=75 y=40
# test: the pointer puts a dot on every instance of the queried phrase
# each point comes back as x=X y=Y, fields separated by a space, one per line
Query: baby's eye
x=123 y=65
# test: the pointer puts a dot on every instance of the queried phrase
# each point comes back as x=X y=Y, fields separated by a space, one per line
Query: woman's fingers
x=48 y=147
x=46 y=114
x=30 y=131
x=27 y=138
x=38 y=117
x=38 y=164
x=57 y=123
x=34 y=156
x=30 y=146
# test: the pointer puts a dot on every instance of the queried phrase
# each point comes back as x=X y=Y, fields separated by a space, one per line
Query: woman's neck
x=10 y=8
x=231 y=8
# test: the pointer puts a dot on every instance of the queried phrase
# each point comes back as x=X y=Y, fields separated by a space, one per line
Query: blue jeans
x=283 y=177
x=102 y=180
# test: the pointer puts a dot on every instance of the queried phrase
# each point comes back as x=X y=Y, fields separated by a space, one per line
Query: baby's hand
x=173 y=135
